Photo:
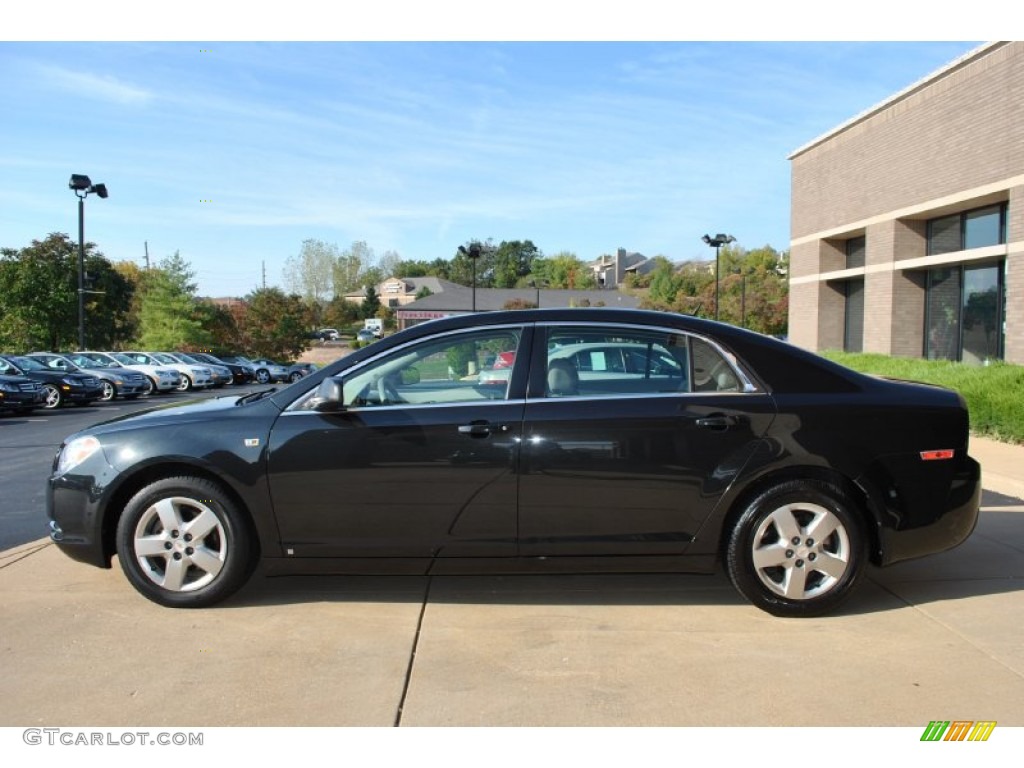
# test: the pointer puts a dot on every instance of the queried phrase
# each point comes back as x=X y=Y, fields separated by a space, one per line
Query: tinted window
x=459 y=368
x=594 y=362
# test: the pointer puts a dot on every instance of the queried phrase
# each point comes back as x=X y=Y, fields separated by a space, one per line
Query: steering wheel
x=386 y=392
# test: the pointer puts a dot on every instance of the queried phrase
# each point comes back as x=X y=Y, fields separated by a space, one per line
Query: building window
x=971 y=229
x=853 y=332
x=855 y=250
x=964 y=313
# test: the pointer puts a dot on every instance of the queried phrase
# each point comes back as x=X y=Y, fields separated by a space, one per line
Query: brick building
x=908 y=219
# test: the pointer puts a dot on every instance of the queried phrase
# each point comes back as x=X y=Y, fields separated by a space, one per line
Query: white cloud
x=103 y=87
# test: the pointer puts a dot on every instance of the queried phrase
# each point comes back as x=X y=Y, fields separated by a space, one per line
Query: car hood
x=193 y=411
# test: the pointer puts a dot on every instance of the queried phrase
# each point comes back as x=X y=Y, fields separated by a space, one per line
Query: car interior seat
x=563 y=379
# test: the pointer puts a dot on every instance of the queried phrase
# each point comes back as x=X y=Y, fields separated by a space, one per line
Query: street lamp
x=82 y=186
x=717 y=242
x=472 y=254
x=537 y=284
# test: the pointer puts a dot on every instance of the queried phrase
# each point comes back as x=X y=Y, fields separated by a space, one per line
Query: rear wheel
x=182 y=542
x=797 y=549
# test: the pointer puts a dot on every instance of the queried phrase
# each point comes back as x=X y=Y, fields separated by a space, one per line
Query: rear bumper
x=947 y=529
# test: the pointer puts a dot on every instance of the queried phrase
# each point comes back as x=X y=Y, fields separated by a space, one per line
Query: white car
x=191 y=375
x=160 y=379
x=221 y=373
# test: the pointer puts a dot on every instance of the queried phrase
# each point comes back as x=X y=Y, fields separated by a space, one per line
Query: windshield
x=161 y=357
x=91 y=361
x=28 y=364
x=124 y=359
x=188 y=359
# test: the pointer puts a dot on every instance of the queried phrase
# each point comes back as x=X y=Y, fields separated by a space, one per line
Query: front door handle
x=475 y=429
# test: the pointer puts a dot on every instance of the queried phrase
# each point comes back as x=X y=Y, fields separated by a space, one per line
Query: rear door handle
x=718 y=422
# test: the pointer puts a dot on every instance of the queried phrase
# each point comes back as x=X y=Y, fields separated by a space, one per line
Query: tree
x=39 y=285
x=371 y=304
x=169 y=317
x=274 y=324
x=512 y=261
x=350 y=266
x=311 y=273
x=563 y=270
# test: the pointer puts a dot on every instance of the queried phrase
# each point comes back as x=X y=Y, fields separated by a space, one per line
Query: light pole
x=82 y=186
x=717 y=242
x=472 y=254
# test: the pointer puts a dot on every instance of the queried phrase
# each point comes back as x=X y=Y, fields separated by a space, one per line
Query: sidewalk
x=1002 y=466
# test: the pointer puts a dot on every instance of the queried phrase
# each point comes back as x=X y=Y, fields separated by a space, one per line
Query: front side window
x=458 y=368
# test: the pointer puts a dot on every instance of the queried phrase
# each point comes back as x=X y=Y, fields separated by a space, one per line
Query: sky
x=233 y=152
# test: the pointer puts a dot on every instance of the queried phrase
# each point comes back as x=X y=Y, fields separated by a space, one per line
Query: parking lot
x=937 y=638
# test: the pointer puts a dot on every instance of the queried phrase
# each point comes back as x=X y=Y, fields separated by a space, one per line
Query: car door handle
x=475 y=429
x=718 y=422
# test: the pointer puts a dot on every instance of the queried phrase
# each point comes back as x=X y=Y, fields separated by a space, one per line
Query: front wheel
x=183 y=543
x=109 y=392
x=185 y=384
x=263 y=376
x=54 y=398
x=797 y=549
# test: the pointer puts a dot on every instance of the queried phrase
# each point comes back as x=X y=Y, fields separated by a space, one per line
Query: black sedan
x=619 y=441
x=19 y=394
x=58 y=387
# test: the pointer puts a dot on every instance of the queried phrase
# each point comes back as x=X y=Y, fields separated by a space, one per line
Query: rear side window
x=615 y=361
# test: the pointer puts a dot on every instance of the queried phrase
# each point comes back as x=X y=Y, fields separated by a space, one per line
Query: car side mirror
x=329 y=396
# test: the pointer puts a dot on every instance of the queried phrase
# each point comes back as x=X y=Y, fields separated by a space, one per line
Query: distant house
x=459 y=300
x=398 y=291
x=610 y=271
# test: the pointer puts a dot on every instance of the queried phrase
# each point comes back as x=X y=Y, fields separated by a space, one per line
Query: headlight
x=68 y=380
x=7 y=387
x=75 y=452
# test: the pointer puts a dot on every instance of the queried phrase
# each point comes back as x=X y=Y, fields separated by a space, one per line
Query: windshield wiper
x=254 y=396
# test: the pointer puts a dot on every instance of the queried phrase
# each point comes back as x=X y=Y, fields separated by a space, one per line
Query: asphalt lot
x=935 y=638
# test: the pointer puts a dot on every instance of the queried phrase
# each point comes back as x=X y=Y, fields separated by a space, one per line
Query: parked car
x=297 y=370
x=220 y=374
x=190 y=376
x=327 y=334
x=20 y=394
x=267 y=371
x=59 y=388
x=116 y=381
x=240 y=374
x=365 y=335
x=724 y=448
x=161 y=379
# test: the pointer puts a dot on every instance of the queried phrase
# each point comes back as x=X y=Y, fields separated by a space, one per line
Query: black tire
x=263 y=376
x=109 y=391
x=150 y=387
x=294 y=376
x=185 y=384
x=774 y=559
x=54 y=397
x=172 y=569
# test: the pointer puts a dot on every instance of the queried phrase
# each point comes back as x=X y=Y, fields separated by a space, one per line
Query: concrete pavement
x=935 y=638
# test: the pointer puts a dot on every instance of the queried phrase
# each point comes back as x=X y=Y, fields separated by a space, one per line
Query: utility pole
x=145 y=244
x=264 y=274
